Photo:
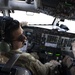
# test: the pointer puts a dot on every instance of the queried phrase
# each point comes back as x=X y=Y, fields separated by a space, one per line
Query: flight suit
x=34 y=65
x=67 y=61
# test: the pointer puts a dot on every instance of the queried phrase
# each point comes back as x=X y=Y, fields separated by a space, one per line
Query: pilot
x=14 y=35
x=73 y=47
x=70 y=62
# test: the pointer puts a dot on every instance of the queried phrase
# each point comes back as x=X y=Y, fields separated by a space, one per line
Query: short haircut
x=10 y=26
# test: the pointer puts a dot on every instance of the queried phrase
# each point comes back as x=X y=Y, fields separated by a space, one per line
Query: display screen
x=52 y=39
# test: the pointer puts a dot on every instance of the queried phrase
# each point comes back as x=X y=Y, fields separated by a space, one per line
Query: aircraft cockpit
x=51 y=41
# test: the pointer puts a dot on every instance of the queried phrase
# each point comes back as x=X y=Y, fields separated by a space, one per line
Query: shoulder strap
x=7 y=67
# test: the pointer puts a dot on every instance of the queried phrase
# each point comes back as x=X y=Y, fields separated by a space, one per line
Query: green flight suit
x=34 y=65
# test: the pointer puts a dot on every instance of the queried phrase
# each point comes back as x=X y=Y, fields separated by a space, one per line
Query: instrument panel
x=49 y=44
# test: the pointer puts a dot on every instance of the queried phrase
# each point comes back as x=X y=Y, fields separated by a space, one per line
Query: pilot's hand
x=67 y=61
x=52 y=64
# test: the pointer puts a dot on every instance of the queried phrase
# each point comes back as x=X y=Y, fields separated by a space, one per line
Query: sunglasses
x=21 y=38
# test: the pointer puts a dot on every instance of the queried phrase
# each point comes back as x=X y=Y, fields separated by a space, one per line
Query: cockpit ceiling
x=59 y=8
x=64 y=9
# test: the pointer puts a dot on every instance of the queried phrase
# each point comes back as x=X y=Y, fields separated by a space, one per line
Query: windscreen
x=41 y=20
x=32 y=18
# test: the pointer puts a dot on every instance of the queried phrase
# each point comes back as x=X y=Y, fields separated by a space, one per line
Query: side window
x=69 y=24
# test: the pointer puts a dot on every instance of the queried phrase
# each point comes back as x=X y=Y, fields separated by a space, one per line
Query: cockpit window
x=32 y=18
x=41 y=20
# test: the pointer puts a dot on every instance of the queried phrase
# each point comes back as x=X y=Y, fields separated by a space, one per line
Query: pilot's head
x=14 y=34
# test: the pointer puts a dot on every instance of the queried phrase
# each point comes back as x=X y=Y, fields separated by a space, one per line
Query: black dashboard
x=48 y=43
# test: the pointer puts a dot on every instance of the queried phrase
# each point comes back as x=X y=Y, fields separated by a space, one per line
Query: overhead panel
x=59 y=8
